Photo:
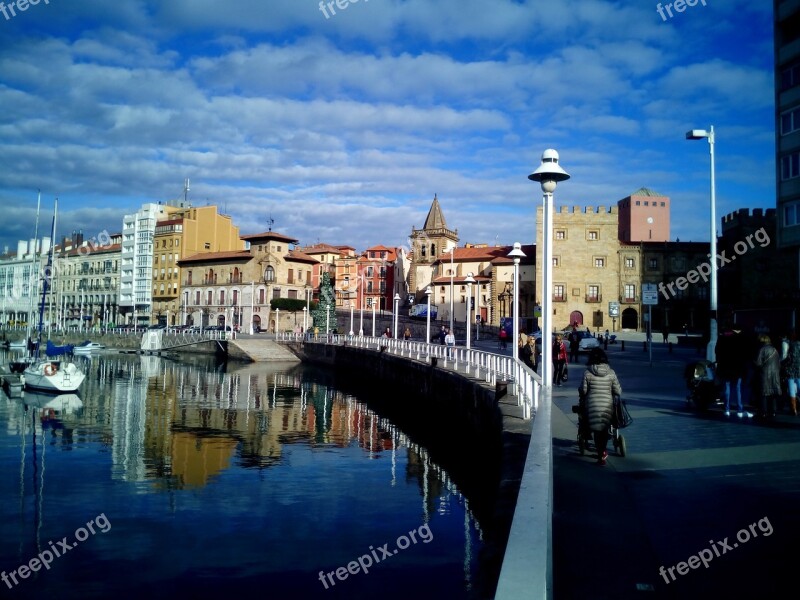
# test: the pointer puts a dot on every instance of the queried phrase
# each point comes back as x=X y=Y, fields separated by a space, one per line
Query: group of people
x=776 y=371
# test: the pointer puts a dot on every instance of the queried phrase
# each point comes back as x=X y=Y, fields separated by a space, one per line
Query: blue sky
x=343 y=128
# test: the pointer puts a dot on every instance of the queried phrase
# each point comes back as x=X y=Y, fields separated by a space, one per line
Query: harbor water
x=173 y=479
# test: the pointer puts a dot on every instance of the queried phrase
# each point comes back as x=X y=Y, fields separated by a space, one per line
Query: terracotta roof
x=528 y=249
x=268 y=235
x=489 y=253
x=297 y=256
x=321 y=248
x=230 y=255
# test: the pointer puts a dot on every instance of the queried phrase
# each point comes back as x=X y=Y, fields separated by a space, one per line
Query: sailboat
x=54 y=376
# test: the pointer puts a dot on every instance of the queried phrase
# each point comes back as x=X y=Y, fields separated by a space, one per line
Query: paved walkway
x=690 y=484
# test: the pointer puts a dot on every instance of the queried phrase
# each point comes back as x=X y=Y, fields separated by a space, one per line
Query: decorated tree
x=326 y=308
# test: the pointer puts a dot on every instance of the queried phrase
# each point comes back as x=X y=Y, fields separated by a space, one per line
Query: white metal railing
x=488 y=366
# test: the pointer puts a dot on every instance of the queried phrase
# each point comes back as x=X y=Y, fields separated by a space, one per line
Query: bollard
x=669 y=347
x=622 y=345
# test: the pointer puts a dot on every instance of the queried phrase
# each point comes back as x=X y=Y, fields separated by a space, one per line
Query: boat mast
x=46 y=281
x=33 y=277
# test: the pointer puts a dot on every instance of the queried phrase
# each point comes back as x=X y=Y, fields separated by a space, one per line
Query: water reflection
x=237 y=457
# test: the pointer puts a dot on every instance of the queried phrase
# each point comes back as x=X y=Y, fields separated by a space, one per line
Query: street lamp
x=305 y=320
x=428 y=292
x=516 y=254
x=548 y=174
x=373 y=317
x=277 y=319
x=469 y=280
x=396 y=312
x=698 y=134
x=351 y=317
x=452 y=253
x=361 y=307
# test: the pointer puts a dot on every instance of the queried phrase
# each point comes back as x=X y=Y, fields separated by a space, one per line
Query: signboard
x=649 y=294
x=613 y=309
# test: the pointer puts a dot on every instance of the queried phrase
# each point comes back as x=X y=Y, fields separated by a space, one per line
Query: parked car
x=587 y=341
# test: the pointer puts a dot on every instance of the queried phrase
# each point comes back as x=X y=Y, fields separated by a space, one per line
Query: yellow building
x=181 y=233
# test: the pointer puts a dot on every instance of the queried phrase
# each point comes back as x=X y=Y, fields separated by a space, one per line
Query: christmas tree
x=326 y=307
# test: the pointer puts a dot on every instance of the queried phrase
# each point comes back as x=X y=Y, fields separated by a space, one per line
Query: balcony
x=559 y=298
x=591 y=298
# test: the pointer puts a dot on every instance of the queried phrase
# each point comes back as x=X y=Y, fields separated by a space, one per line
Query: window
x=790 y=166
x=791 y=214
x=269 y=274
x=369 y=287
x=652 y=264
x=629 y=263
x=207 y=246
x=593 y=293
x=293 y=294
x=197 y=298
x=222 y=297
x=463 y=299
x=277 y=248
x=790 y=76
x=663 y=204
x=599 y=262
x=593 y=235
x=646 y=203
x=555 y=261
x=559 y=293
x=369 y=272
x=638 y=203
x=291 y=276
x=209 y=300
x=235 y=297
x=630 y=292
x=261 y=296
x=561 y=234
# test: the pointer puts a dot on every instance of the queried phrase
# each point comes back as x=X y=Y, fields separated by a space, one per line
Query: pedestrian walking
x=528 y=353
x=790 y=364
x=665 y=334
x=407 y=334
x=768 y=366
x=559 y=359
x=574 y=344
x=442 y=335
x=731 y=354
x=597 y=391
x=450 y=342
x=503 y=337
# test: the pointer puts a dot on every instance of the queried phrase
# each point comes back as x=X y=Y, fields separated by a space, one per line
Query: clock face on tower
x=649 y=219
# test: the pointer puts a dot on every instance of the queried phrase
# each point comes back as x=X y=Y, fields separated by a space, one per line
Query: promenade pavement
x=690 y=484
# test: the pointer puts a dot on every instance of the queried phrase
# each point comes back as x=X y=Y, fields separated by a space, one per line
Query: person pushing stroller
x=596 y=393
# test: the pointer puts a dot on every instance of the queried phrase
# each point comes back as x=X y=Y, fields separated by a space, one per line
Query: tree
x=326 y=308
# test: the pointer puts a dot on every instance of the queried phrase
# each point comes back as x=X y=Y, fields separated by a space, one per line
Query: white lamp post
x=516 y=254
x=452 y=253
x=428 y=292
x=351 y=317
x=373 y=318
x=361 y=307
x=396 y=312
x=698 y=134
x=548 y=174
x=469 y=281
x=305 y=320
x=277 y=320
x=250 y=328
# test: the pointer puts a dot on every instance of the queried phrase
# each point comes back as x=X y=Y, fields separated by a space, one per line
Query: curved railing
x=490 y=367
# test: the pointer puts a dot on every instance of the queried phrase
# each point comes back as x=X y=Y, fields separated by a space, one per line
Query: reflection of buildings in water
x=128 y=426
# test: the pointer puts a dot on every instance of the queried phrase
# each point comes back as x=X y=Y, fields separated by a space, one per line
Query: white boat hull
x=53 y=377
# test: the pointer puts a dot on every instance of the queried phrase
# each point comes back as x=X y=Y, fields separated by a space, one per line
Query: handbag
x=622 y=417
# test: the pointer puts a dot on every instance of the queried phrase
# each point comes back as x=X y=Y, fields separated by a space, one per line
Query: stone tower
x=428 y=244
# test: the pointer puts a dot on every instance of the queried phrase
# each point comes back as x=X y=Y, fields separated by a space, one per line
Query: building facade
x=787 y=132
x=234 y=288
x=427 y=244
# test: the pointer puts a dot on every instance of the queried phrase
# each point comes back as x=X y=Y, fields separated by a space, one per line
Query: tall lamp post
x=469 y=281
x=361 y=307
x=452 y=253
x=428 y=292
x=396 y=312
x=352 y=306
x=548 y=174
x=699 y=134
x=516 y=254
x=277 y=320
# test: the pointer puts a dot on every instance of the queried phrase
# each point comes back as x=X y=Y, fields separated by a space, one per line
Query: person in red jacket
x=559 y=359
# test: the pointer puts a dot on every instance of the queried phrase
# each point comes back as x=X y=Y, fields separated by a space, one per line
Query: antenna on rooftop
x=271 y=221
x=185 y=190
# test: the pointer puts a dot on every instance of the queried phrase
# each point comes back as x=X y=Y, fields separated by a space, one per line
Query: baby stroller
x=620 y=420
x=700 y=381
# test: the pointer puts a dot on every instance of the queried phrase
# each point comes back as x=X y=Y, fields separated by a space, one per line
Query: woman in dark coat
x=598 y=388
x=768 y=375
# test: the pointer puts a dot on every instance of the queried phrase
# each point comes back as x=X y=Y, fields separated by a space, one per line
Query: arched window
x=433 y=250
x=269 y=274
x=423 y=251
